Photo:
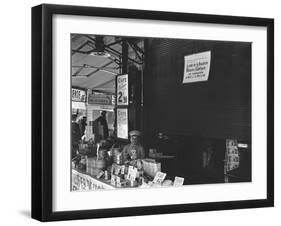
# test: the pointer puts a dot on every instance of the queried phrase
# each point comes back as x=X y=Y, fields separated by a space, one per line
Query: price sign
x=122 y=123
x=78 y=95
x=197 y=67
x=122 y=90
x=232 y=155
x=100 y=99
x=123 y=169
x=159 y=178
x=132 y=173
x=178 y=181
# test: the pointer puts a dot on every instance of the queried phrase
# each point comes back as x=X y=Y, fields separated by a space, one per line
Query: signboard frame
x=79 y=99
x=99 y=99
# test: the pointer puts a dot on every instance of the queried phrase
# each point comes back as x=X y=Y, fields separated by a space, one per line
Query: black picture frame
x=42 y=107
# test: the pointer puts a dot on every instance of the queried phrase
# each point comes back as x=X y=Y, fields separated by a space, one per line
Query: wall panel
x=217 y=108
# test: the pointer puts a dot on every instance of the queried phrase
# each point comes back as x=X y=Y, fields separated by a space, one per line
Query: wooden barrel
x=92 y=162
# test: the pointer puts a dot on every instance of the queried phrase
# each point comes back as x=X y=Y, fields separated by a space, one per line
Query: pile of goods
x=94 y=166
x=116 y=155
x=110 y=167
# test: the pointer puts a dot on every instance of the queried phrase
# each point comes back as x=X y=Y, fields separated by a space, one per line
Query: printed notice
x=178 y=181
x=122 y=90
x=78 y=95
x=197 y=67
x=159 y=178
x=122 y=123
x=232 y=155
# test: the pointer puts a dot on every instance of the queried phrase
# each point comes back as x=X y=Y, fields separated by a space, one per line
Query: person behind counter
x=100 y=126
x=134 y=150
x=76 y=135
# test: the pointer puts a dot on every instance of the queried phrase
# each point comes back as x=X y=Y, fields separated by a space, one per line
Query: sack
x=151 y=167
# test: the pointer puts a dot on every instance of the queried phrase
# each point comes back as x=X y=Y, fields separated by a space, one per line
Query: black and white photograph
x=159 y=112
x=139 y=112
x=133 y=113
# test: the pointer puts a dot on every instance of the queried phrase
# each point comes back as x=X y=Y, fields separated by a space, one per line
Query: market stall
x=186 y=120
x=118 y=167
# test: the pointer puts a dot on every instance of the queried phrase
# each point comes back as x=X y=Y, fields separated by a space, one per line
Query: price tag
x=118 y=182
x=132 y=173
x=159 y=178
x=178 y=181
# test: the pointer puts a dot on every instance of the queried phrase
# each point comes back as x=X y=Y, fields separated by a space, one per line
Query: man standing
x=76 y=135
x=101 y=126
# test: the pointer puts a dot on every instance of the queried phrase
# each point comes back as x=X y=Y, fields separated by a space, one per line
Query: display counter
x=110 y=170
x=81 y=181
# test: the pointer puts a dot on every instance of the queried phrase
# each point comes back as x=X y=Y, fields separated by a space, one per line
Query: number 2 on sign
x=120 y=95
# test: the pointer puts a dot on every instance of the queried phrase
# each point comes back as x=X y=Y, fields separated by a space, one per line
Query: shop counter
x=81 y=181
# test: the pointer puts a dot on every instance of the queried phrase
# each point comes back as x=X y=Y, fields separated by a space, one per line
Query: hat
x=134 y=133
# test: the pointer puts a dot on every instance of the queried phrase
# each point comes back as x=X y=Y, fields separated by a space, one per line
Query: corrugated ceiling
x=95 y=72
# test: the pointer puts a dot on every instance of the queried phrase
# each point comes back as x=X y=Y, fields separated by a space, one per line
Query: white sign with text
x=197 y=67
x=122 y=90
x=122 y=123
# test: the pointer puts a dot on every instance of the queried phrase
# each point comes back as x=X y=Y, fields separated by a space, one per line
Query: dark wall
x=217 y=108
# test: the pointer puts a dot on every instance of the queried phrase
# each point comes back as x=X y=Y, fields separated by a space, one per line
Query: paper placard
x=118 y=182
x=159 y=178
x=197 y=67
x=122 y=90
x=232 y=155
x=78 y=95
x=100 y=99
x=132 y=173
x=178 y=181
x=122 y=123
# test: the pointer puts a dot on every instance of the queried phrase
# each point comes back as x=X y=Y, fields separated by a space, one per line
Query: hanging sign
x=78 y=95
x=100 y=99
x=122 y=90
x=122 y=123
x=197 y=67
